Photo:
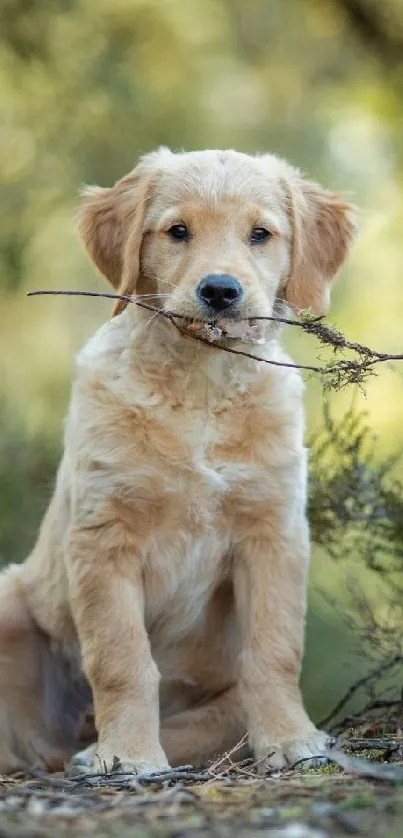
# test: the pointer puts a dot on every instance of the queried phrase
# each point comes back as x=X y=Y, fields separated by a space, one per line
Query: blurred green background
x=88 y=85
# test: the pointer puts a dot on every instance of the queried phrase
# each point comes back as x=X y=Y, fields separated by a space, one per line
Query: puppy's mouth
x=247 y=330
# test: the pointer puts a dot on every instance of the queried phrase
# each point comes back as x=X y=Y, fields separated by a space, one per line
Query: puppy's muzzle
x=218 y=292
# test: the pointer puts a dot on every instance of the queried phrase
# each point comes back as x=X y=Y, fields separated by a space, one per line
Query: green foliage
x=355 y=501
x=27 y=470
x=356 y=515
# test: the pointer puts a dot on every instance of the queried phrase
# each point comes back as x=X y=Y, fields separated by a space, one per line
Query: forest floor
x=359 y=793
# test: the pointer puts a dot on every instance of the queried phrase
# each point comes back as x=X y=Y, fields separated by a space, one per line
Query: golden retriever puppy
x=168 y=582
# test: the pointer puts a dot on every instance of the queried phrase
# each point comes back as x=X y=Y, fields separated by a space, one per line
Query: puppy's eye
x=259 y=235
x=179 y=232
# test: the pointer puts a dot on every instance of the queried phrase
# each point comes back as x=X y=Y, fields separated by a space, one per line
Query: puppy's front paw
x=305 y=752
x=100 y=760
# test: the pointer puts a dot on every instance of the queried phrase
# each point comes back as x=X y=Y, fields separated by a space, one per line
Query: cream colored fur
x=168 y=580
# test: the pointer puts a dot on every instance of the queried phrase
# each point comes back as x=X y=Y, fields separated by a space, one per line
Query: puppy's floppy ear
x=323 y=228
x=111 y=224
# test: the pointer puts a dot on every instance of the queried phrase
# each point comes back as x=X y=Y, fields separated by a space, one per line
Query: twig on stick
x=335 y=375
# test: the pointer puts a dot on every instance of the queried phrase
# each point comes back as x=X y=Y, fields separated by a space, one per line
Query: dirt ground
x=359 y=793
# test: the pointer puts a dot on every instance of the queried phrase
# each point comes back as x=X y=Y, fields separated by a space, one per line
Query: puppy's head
x=218 y=234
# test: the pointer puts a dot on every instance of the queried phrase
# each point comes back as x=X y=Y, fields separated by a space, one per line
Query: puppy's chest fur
x=196 y=472
x=201 y=480
x=200 y=466
x=183 y=472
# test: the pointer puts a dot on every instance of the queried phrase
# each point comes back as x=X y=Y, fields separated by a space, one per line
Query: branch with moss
x=355 y=500
x=334 y=375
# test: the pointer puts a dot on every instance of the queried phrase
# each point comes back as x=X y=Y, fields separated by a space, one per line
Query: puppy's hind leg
x=207 y=731
x=36 y=722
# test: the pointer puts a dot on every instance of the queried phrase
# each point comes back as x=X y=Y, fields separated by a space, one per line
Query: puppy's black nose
x=219 y=291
